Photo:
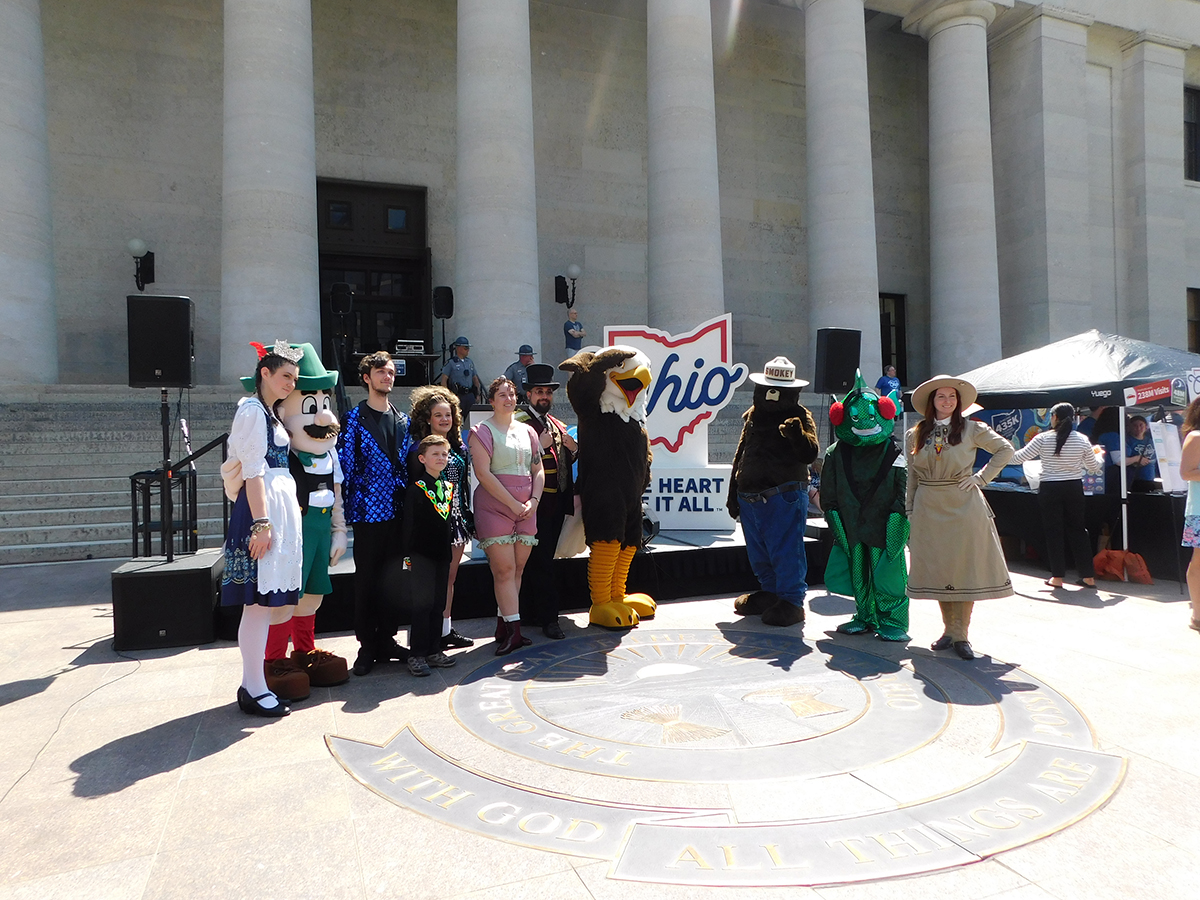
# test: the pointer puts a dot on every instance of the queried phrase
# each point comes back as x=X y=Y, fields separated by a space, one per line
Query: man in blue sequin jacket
x=373 y=452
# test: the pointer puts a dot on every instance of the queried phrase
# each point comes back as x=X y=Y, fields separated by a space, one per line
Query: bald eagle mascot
x=607 y=390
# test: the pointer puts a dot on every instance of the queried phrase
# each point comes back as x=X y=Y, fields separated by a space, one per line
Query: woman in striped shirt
x=1064 y=453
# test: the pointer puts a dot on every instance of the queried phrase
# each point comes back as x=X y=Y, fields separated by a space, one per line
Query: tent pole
x=1124 y=487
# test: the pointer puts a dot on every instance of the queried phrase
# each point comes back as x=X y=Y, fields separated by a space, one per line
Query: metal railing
x=181 y=475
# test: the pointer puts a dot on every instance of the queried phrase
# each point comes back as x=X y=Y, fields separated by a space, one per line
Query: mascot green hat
x=313 y=374
x=863 y=417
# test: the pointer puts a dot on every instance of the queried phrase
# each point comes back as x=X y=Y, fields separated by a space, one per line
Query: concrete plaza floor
x=134 y=775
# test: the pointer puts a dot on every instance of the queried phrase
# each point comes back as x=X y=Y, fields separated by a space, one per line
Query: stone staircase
x=64 y=478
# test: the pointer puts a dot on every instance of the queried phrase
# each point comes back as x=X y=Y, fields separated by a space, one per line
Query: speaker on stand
x=162 y=354
x=837 y=363
x=443 y=308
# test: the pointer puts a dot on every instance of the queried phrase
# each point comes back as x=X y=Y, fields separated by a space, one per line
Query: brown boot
x=513 y=640
x=324 y=669
x=286 y=680
x=501 y=629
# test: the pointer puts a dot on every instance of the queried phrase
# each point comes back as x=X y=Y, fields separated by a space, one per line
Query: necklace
x=939 y=437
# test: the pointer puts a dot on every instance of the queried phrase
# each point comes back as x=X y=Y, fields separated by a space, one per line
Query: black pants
x=427 y=582
x=539 y=586
x=376 y=611
x=1061 y=504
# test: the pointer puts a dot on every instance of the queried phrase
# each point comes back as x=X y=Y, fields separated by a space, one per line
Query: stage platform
x=675 y=564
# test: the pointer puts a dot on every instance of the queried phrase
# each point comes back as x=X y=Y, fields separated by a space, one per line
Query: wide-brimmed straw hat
x=967 y=392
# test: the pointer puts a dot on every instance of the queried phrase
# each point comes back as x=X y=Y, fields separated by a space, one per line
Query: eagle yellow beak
x=631 y=383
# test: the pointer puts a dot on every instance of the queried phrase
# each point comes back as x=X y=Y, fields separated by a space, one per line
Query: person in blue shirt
x=373 y=450
x=573 y=331
x=1140 y=461
x=459 y=374
x=888 y=382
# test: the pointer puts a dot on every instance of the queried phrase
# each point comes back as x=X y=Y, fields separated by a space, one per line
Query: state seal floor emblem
x=728 y=757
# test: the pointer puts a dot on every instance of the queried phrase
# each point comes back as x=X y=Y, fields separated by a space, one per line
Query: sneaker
x=418 y=667
x=456 y=641
x=439 y=660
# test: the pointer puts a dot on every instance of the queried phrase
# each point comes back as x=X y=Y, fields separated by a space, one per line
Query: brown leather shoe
x=286 y=680
x=324 y=669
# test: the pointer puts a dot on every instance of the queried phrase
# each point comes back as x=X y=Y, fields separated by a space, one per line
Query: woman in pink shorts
x=507 y=459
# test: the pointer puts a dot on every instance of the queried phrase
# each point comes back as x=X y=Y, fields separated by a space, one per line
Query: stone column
x=1154 y=306
x=29 y=338
x=496 y=258
x=843 y=275
x=964 y=307
x=686 y=275
x=269 y=264
x=1041 y=163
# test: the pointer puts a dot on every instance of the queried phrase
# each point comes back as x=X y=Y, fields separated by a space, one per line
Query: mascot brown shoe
x=755 y=603
x=781 y=614
x=607 y=391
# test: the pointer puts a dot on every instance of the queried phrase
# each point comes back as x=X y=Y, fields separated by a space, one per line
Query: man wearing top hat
x=373 y=451
x=769 y=492
x=539 y=590
x=516 y=372
x=459 y=374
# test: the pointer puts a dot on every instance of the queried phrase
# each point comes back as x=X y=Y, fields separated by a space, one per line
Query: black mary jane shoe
x=1087 y=587
x=963 y=649
x=945 y=642
x=251 y=706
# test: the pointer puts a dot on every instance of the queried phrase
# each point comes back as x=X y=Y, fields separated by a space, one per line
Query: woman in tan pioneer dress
x=955 y=555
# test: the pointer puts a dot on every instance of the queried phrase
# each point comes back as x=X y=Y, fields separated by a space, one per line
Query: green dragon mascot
x=862 y=494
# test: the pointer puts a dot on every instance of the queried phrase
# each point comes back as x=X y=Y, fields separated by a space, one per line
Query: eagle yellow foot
x=642 y=604
x=613 y=615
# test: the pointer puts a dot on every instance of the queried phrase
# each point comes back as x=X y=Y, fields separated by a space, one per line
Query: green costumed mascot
x=862 y=493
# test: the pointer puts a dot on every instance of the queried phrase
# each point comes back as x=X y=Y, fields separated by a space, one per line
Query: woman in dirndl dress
x=954 y=551
x=1189 y=469
x=435 y=410
x=263 y=554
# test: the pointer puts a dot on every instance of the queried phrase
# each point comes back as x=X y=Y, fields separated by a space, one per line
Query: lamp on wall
x=143 y=261
x=561 y=295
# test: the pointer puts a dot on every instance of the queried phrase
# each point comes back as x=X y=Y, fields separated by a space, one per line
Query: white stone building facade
x=1001 y=173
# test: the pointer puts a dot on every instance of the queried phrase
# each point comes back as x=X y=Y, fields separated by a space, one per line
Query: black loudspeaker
x=162 y=350
x=443 y=303
x=560 y=291
x=161 y=604
x=837 y=359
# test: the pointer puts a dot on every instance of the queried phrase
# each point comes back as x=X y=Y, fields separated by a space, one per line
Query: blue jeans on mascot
x=774 y=532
